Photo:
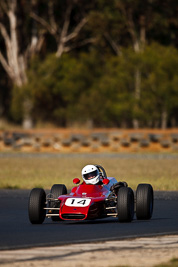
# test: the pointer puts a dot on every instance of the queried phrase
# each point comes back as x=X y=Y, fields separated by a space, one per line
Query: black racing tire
x=36 y=205
x=144 y=201
x=125 y=204
x=56 y=191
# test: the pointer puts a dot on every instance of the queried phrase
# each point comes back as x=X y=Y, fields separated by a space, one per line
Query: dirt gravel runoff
x=145 y=251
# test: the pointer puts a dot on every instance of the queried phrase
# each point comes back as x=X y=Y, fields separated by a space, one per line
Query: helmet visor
x=90 y=175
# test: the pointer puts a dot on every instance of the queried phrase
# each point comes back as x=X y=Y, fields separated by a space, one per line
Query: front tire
x=36 y=206
x=144 y=201
x=125 y=204
x=56 y=191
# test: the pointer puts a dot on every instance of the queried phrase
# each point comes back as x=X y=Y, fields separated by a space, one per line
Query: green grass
x=26 y=173
x=172 y=263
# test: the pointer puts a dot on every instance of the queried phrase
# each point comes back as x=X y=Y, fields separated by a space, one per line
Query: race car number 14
x=77 y=202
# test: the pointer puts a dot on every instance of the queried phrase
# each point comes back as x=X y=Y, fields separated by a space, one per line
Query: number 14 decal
x=77 y=202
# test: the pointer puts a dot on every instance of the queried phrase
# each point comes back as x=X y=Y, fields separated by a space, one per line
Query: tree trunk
x=137 y=95
x=164 y=120
x=18 y=65
x=15 y=59
x=27 y=119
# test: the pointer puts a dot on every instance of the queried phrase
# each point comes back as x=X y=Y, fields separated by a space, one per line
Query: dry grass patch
x=29 y=172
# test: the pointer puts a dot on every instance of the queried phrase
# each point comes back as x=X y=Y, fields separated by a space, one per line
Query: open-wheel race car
x=96 y=197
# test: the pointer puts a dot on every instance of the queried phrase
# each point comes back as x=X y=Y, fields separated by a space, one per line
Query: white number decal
x=77 y=202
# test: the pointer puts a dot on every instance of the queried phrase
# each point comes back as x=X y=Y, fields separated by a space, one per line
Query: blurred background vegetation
x=95 y=63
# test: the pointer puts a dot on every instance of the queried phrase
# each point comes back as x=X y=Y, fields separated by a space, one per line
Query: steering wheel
x=101 y=171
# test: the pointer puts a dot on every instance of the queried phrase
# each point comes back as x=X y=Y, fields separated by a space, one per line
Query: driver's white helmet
x=90 y=174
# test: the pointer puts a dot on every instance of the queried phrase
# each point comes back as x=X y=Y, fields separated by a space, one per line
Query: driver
x=90 y=174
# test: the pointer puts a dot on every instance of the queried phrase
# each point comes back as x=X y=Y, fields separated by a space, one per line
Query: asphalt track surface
x=17 y=232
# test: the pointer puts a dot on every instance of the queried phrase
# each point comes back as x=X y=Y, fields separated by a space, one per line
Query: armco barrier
x=116 y=140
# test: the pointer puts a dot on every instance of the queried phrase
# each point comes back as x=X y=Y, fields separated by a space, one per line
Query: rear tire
x=144 y=201
x=36 y=206
x=56 y=191
x=125 y=204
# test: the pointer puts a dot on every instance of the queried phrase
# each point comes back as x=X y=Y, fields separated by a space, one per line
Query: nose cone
x=75 y=209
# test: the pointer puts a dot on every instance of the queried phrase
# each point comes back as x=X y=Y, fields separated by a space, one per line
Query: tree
x=16 y=52
x=112 y=61
x=23 y=38
x=63 y=86
x=64 y=21
x=127 y=23
x=159 y=90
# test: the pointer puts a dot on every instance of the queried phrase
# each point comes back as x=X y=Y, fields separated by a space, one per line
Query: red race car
x=98 y=196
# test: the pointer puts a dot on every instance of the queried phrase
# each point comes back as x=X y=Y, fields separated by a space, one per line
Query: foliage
x=171 y=263
x=159 y=90
x=108 y=62
x=102 y=89
x=63 y=87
